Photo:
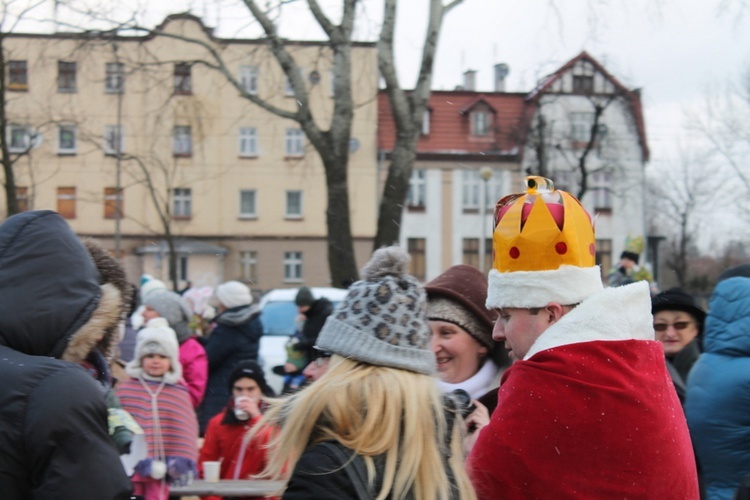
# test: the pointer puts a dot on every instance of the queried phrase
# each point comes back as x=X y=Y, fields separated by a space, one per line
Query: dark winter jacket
x=53 y=416
x=330 y=471
x=718 y=390
x=235 y=338
x=315 y=319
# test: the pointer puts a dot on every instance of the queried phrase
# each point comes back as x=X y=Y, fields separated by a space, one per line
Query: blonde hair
x=373 y=410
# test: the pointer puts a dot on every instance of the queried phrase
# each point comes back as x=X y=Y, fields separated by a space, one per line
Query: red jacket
x=594 y=419
x=224 y=442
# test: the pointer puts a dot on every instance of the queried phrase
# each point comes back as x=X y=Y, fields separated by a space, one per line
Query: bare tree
x=678 y=195
x=11 y=15
x=407 y=109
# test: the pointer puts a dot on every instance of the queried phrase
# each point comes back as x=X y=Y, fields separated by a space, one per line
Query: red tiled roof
x=450 y=126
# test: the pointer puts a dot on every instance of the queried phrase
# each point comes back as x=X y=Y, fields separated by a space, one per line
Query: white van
x=278 y=315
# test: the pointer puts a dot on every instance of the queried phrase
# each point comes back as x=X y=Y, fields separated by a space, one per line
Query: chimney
x=501 y=71
x=470 y=79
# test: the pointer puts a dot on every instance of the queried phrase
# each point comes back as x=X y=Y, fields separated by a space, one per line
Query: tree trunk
x=395 y=190
x=341 y=260
x=9 y=184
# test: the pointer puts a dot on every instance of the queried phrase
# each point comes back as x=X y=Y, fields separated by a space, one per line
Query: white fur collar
x=620 y=313
x=478 y=384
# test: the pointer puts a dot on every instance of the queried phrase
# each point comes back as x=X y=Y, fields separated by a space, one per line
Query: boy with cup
x=225 y=432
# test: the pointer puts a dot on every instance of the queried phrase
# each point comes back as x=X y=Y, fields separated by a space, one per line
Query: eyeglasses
x=679 y=326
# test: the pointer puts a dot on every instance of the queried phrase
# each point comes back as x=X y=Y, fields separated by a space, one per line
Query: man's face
x=519 y=329
x=246 y=387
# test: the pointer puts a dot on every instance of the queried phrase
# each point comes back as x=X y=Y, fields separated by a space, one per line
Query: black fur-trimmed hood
x=52 y=299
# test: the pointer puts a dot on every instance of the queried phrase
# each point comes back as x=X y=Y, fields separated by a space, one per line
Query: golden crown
x=541 y=230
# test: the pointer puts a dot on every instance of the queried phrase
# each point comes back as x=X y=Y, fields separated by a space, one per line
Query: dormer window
x=481 y=121
x=583 y=77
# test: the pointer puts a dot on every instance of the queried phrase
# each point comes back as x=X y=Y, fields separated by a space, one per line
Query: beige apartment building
x=245 y=190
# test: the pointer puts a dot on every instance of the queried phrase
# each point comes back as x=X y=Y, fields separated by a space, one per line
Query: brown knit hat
x=458 y=296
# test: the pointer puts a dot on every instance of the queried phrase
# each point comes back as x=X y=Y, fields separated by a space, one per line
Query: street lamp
x=485 y=173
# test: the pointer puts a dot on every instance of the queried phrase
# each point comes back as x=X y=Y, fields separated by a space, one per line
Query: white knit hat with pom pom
x=382 y=321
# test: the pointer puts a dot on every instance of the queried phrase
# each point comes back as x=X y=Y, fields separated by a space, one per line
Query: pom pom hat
x=382 y=321
x=543 y=249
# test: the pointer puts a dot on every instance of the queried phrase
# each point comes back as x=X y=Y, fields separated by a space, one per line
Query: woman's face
x=675 y=330
x=458 y=354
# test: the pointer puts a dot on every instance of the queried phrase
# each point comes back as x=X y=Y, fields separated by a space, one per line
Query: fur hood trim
x=621 y=313
x=104 y=319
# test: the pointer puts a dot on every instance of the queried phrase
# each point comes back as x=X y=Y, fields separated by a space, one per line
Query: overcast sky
x=674 y=50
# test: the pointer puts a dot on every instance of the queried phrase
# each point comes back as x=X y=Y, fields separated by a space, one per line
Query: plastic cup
x=211 y=471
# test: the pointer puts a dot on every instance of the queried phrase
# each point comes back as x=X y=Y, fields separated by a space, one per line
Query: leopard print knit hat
x=382 y=321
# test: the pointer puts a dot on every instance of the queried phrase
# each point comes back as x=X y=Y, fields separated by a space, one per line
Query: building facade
x=128 y=137
x=477 y=146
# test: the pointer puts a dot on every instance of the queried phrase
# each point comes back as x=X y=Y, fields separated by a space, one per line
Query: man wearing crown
x=587 y=410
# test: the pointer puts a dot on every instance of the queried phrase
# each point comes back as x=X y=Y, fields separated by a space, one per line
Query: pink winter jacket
x=194 y=369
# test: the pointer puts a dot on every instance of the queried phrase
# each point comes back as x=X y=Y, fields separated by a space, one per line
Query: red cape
x=596 y=419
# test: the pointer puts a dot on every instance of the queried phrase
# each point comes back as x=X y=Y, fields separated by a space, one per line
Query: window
x=66 y=76
x=417 y=266
x=18 y=77
x=583 y=84
x=22 y=198
x=604 y=256
x=248 y=204
x=470 y=189
x=113 y=203
x=66 y=139
x=113 y=139
x=293 y=143
x=19 y=138
x=182 y=203
x=294 y=204
x=114 y=79
x=426 y=122
x=581 y=126
x=182 y=142
x=183 y=84
x=248 y=141
x=600 y=191
x=249 y=265
x=415 y=197
x=471 y=253
x=292 y=266
x=480 y=123
x=249 y=78
x=66 y=202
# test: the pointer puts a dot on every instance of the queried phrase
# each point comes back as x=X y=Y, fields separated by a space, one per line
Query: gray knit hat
x=174 y=308
x=382 y=321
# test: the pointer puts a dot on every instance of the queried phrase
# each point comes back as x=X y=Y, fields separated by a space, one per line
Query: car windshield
x=278 y=318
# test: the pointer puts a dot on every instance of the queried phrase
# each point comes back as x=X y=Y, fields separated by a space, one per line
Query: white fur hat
x=157 y=338
x=234 y=294
x=150 y=286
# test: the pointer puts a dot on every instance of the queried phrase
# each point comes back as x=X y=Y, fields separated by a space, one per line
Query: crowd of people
x=534 y=381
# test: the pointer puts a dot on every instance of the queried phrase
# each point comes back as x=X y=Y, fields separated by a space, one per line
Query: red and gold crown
x=543 y=249
x=541 y=230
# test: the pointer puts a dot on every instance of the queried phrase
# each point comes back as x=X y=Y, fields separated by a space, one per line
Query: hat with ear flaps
x=383 y=319
x=156 y=338
x=543 y=249
x=53 y=300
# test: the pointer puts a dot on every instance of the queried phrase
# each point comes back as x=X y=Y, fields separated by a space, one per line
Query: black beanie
x=250 y=369
x=741 y=271
x=304 y=297
x=675 y=299
x=627 y=254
